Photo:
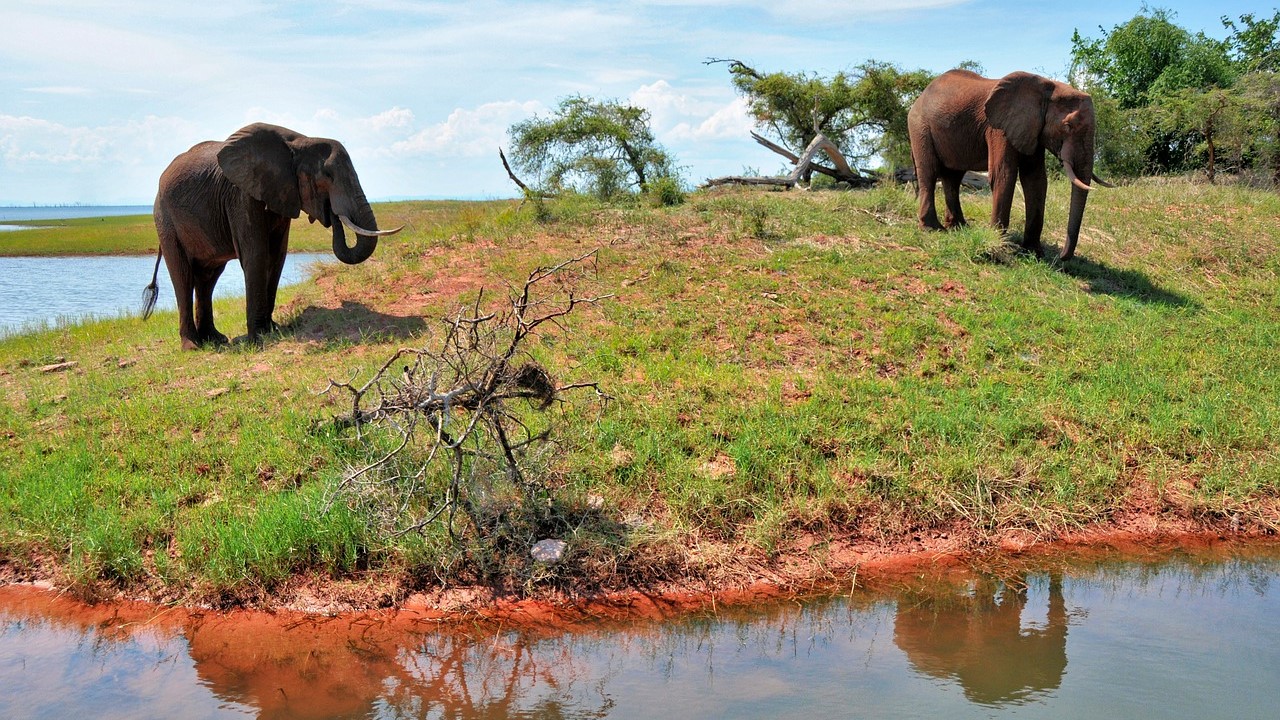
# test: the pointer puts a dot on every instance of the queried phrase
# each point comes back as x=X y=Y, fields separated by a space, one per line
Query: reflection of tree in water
x=979 y=636
x=978 y=639
x=308 y=670
x=451 y=676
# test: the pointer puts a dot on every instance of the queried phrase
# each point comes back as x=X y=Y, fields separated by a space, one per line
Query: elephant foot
x=197 y=343
x=243 y=340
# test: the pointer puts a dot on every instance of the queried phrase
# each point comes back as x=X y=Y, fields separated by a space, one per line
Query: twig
x=462 y=388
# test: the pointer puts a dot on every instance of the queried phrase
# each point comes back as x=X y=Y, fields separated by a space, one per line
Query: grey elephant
x=963 y=121
x=220 y=201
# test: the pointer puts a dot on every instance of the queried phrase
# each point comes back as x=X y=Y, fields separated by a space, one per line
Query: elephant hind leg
x=183 y=278
x=205 y=279
x=926 y=164
x=951 y=195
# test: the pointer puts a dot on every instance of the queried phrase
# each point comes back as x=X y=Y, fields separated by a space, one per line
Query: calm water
x=46 y=292
x=37 y=292
x=1192 y=636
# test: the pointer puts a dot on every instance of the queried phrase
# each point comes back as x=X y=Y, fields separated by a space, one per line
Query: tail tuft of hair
x=149 y=296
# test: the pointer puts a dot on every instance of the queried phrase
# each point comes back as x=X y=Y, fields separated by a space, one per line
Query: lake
x=48 y=291
x=1184 y=635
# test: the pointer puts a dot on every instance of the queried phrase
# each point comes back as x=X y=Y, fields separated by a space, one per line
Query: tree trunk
x=805 y=166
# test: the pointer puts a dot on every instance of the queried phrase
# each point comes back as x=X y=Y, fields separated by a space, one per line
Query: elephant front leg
x=259 y=294
x=1035 y=187
x=1001 y=201
x=279 y=250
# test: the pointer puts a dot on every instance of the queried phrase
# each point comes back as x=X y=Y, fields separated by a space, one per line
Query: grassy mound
x=790 y=373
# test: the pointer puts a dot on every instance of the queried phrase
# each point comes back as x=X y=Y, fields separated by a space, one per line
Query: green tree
x=1208 y=117
x=1122 y=139
x=602 y=147
x=1254 y=43
x=1157 y=73
x=1259 y=127
x=1255 y=49
x=1148 y=56
x=863 y=111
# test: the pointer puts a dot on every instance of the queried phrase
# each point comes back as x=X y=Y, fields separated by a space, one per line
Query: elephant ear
x=1017 y=106
x=259 y=160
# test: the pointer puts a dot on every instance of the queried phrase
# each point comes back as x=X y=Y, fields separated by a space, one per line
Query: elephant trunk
x=1078 y=199
x=1077 y=161
x=361 y=217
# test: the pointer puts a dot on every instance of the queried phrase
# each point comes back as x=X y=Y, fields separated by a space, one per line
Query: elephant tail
x=152 y=292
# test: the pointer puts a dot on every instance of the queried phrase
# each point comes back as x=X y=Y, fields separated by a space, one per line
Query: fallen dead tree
x=457 y=427
x=842 y=171
x=805 y=165
x=977 y=181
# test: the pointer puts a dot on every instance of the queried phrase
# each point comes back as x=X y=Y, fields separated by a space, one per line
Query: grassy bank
x=790 y=373
x=119 y=235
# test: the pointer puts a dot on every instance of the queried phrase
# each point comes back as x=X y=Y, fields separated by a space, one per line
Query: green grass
x=127 y=235
x=781 y=363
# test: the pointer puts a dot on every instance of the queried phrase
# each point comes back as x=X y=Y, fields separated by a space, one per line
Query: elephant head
x=1037 y=113
x=291 y=173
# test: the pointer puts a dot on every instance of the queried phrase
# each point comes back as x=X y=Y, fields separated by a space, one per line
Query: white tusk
x=1071 y=175
x=367 y=233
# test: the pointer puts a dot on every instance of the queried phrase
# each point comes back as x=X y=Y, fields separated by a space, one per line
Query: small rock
x=595 y=502
x=217 y=391
x=621 y=456
x=549 y=550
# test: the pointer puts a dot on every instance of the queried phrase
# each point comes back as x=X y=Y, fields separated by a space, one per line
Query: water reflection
x=1187 y=637
x=980 y=640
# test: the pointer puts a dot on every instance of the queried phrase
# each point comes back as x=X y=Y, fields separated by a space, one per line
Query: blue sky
x=97 y=96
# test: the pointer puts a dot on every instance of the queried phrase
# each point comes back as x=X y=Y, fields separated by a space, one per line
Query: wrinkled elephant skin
x=963 y=121
x=221 y=201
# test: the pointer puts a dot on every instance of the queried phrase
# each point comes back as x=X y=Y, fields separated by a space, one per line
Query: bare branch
x=453 y=411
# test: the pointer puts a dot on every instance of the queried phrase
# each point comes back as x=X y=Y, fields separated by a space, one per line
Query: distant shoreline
x=69 y=212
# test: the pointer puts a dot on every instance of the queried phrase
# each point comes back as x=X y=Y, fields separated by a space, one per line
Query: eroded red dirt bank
x=810 y=566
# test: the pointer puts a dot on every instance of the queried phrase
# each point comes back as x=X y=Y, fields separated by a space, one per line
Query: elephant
x=220 y=201
x=979 y=640
x=963 y=121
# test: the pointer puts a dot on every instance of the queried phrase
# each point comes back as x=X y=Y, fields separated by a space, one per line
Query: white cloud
x=395 y=118
x=117 y=162
x=807 y=10
x=60 y=90
x=683 y=116
x=732 y=121
x=469 y=132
